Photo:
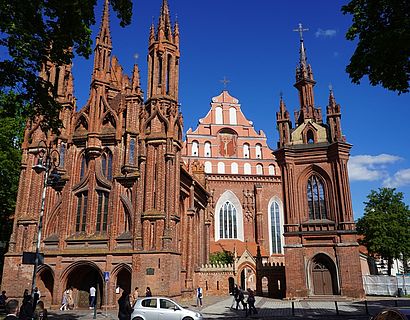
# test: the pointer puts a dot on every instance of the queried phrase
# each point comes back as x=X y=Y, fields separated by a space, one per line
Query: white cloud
x=328 y=33
x=401 y=178
x=370 y=168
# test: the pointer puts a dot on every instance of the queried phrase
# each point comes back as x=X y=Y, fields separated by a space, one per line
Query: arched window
x=132 y=151
x=81 y=217
x=106 y=164
x=194 y=149
x=246 y=151
x=258 y=151
x=234 y=168
x=62 y=155
x=221 y=167
x=259 y=169
x=102 y=211
x=208 y=167
x=247 y=168
x=271 y=170
x=310 y=138
x=228 y=228
x=207 y=149
x=218 y=116
x=232 y=116
x=275 y=228
x=316 y=198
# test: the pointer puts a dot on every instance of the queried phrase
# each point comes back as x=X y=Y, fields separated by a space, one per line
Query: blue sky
x=254 y=46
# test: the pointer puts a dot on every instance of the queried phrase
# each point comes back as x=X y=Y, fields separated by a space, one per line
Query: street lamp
x=48 y=162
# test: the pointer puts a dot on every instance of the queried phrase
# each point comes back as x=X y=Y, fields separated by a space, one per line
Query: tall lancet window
x=132 y=152
x=106 y=164
x=275 y=228
x=81 y=217
x=228 y=228
x=316 y=198
x=218 y=115
x=83 y=167
x=62 y=155
x=102 y=211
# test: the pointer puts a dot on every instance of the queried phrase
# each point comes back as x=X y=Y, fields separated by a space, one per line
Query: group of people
x=67 y=302
x=31 y=308
x=239 y=298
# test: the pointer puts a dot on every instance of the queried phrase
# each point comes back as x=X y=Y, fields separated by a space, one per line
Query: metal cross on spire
x=225 y=82
x=300 y=30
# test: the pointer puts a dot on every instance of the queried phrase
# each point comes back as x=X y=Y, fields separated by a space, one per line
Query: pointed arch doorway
x=324 y=276
x=81 y=277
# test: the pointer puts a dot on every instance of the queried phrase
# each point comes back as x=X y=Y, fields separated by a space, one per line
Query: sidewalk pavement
x=219 y=308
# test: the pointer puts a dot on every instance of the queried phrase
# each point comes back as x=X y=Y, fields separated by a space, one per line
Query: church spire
x=103 y=45
x=283 y=123
x=304 y=81
x=333 y=118
x=163 y=57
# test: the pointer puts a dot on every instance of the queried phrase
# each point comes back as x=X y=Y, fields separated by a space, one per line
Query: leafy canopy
x=385 y=224
x=221 y=257
x=383 y=48
x=35 y=31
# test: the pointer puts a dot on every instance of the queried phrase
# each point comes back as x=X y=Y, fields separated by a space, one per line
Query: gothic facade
x=124 y=205
x=287 y=210
x=137 y=206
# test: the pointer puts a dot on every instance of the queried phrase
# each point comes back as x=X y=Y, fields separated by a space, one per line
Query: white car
x=161 y=308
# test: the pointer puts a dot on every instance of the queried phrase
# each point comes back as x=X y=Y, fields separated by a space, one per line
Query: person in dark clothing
x=36 y=298
x=124 y=306
x=26 y=310
x=40 y=313
x=241 y=299
x=148 y=292
x=12 y=307
x=26 y=295
x=3 y=299
x=235 y=293
x=251 y=302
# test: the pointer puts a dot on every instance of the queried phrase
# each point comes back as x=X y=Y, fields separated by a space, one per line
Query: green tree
x=383 y=48
x=36 y=31
x=11 y=132
x=221 y=257
x=385 y=225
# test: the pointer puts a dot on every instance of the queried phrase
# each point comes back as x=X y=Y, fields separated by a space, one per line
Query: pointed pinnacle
x=105 y=24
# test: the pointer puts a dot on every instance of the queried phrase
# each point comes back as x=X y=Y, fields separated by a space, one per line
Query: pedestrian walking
x=36 y=297
x=70 y=299
x=148 y=292
x=235 y=293
x=3 y=299
x=124 y=306
x=40 y=313
x=135 y=295
x=26 y=294
x=26 y=309
x=199 y=295
x=12 y=308
x=92 y=297
x=241 y=300
x=64 y=303
x=251 y=302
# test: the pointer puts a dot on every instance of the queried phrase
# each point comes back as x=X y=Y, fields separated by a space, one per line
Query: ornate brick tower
x=321 y=250
x=160 y=154
x=125 y=209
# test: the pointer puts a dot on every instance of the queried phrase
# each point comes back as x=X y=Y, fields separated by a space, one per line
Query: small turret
x=333 y=119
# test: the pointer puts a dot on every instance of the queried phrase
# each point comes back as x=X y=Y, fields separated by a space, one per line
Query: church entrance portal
x=81 y=278
x=124 y=280
x=323 y=273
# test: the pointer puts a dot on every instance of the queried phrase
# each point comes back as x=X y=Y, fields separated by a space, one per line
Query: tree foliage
x=36 y=31
x=383 y=48
x=385 y=225
x=221 y=257
x=11 y=133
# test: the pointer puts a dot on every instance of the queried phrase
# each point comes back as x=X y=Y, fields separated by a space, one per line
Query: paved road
x=219 y=308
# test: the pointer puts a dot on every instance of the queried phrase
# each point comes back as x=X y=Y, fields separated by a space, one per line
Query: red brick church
x=136 y=202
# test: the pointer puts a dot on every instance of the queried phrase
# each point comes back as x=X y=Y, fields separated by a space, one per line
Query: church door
x=322 y=279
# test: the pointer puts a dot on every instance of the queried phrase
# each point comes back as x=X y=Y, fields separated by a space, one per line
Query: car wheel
x=137 y=318
x=187 y=318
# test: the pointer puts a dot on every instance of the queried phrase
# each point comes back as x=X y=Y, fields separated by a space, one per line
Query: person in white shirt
x=92 y=297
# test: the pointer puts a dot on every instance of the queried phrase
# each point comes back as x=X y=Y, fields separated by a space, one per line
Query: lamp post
x=48 y=161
